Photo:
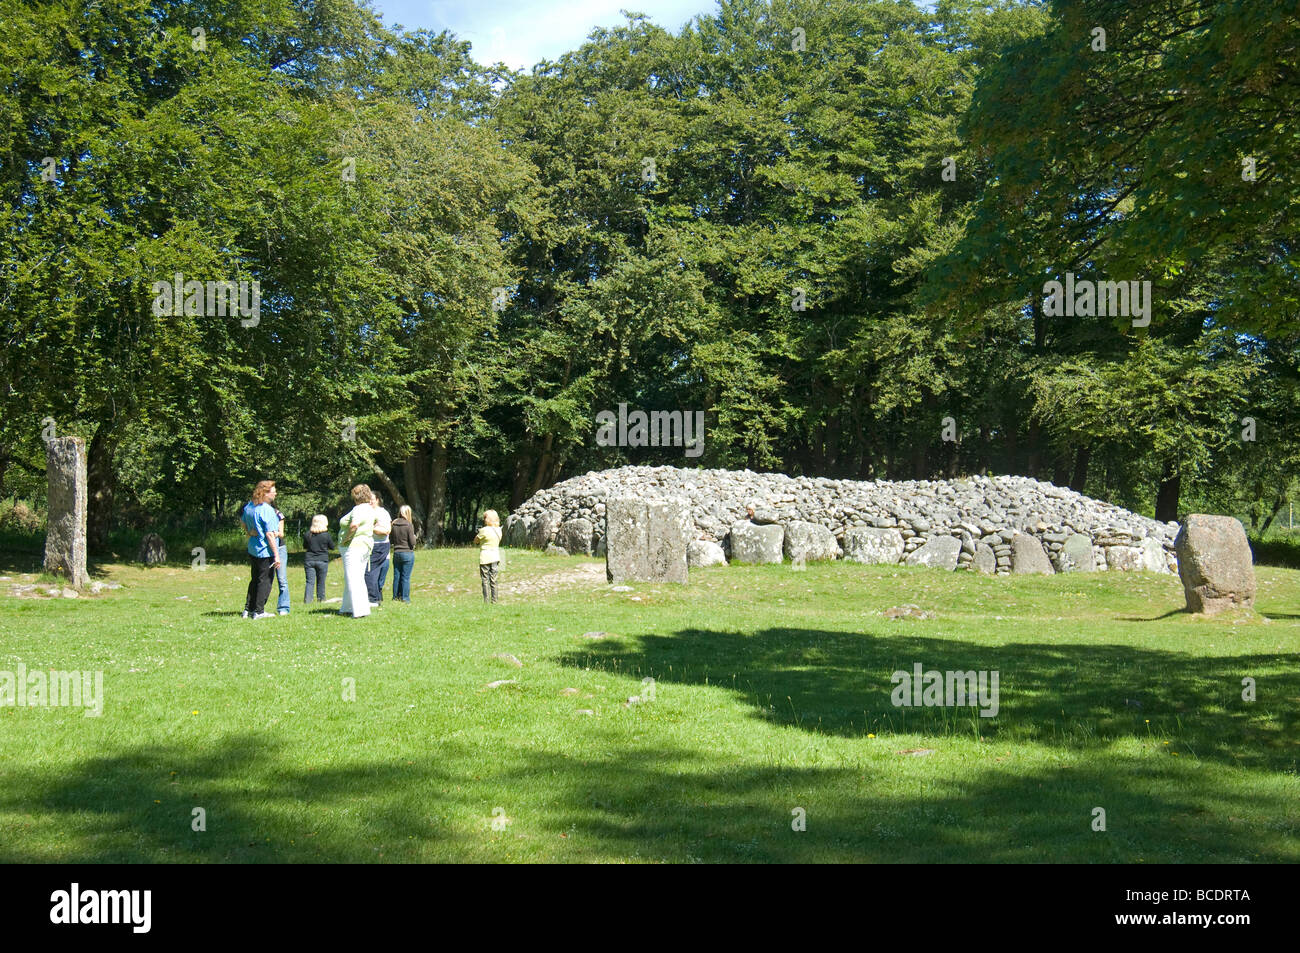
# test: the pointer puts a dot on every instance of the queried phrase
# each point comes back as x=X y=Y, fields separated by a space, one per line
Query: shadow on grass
x=263 y=805
x=137 y=807
x=663 y=804
x=1074 y=695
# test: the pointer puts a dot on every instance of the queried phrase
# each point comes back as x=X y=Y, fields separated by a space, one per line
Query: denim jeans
x=316 y=572
x=402 y=563
x=282 y=578
x=378 y=571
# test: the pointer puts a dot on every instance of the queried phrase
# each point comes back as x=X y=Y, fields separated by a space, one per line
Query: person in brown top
x=402 y=538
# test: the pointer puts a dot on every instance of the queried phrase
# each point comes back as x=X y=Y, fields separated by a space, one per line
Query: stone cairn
x=1000 y=525
x=65 y=539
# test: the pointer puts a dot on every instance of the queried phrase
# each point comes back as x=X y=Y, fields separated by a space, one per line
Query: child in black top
x=317 y=543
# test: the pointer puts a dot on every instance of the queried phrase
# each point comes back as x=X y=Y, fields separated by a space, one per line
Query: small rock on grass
x=508 y=659
x=503 y=681
x=907 y=612
x=917 y=752
x=568 y=691
x=584 y=711
x=620 y=588
x=595 y=635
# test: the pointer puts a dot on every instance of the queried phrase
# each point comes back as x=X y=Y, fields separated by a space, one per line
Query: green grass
x=772 y=692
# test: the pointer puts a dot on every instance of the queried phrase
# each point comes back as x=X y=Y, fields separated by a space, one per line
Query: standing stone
x=543 y=530
x=940 y=552
x=516 y=535
x=703 y=552
x=752 y=543
x=1153 y=556
x=65 y=540
x=1076 y=554
x=645 y=541
x=1123 y=558
x=152 y=550
x=1029 y=557
x=866 y=544
x=984 y=560
x=1214 y=563
x=806 y=542
x=574 y=537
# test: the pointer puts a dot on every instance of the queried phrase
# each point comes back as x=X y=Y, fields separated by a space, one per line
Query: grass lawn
x=772 y=692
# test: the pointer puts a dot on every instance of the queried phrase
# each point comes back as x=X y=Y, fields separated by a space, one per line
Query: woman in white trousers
x=356 y=535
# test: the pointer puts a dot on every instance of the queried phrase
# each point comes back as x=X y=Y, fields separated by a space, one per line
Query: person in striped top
x=356 y=538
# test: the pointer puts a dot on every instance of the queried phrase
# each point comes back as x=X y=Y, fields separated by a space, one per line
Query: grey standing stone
x=516 y=534
x=152 y=550
x=807 y=542
x=703 y=552
x=65 y=539
x=574 y=536
x=1028 y=556
x=865 y=544
x=1076 y=555
x=940 y=552
x=1214 y=563
x=543 y=530
x=984 y=560
x=752 y=543
x=1153 y=556
x=645 y=541
x=1123 y=558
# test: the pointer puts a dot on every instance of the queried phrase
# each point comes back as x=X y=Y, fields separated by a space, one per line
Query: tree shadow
x=678 y=806
x=1082 y=696
x=138 y=807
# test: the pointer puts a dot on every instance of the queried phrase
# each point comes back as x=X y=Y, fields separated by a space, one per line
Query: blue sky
x=521 y=32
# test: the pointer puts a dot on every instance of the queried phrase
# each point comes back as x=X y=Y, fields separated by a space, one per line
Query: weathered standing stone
x=807 y=542
x=574 y=537
x=152 y=550
x=1153 y=556
x=751 y=543
x=1214 y=563
x=65 y=539
x=940 y=552
x=1076 y=555
x=984 y=560
x=645 y=541
x=1029 y=557
x=516 y=534
x=1123 y=558
x=703 y=552
x=866 y=544
x=543 y=530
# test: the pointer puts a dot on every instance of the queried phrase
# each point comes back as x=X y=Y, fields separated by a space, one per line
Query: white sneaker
x=264 y=615
x=374 y=605
x=284 y=612
x=246 y=615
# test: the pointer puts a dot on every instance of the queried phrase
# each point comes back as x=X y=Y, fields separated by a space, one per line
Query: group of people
x=370 y=540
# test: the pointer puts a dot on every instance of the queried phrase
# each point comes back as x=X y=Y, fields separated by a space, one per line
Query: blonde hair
x=319 y=523
x=404 y=512
x=490 y=518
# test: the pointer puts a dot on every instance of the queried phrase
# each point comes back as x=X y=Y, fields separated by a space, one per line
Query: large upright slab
x=645 y=541
x=1214 y=563
x=65 y=541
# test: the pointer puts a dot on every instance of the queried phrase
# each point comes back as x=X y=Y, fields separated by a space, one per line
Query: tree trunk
x=101 y=488
x=1278 y=501
x=436 y=508
x=1167 y=495
x=1080 y=479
